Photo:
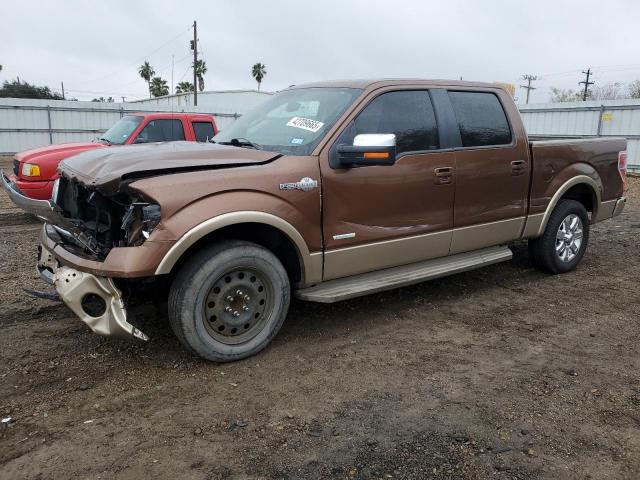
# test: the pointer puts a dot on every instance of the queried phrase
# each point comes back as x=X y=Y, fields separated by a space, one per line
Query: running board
x=390 y=278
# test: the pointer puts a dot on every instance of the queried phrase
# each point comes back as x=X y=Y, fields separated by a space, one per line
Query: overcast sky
x=96 y=47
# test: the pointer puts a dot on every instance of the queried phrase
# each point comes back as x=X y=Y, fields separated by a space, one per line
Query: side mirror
x=369 y=149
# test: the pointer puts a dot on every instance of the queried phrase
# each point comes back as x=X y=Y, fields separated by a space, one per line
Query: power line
x=138 y=59
x=586 y=83
x=528 y=87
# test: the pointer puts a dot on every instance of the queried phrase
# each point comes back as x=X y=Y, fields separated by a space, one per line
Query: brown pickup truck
x=326 y=191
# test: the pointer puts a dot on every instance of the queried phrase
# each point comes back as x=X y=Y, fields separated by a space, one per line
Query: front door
x=380 y=216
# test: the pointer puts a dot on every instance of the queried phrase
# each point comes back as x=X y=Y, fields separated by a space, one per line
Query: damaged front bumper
x=95 y=300
x=90 y=293
x=48 y=211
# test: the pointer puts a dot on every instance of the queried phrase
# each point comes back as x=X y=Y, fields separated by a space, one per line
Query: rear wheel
x=564 y=241
x=229 y=301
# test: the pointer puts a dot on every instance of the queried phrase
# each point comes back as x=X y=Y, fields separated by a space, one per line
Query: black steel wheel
x=229 y=300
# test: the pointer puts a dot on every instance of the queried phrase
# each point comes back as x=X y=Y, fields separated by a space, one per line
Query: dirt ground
x=500 y=373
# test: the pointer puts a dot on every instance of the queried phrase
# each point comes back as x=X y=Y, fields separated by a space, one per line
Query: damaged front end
x=99 y=223
x=89 y=224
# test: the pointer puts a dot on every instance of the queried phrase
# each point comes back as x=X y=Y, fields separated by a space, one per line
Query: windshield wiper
x=105 y=140
x=242 y=142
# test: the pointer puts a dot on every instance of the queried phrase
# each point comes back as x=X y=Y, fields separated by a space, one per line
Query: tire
x=564 y=241
x=228 y=301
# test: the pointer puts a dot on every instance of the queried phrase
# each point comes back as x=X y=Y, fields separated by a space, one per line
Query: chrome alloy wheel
x=237 y=306
x=569 y=238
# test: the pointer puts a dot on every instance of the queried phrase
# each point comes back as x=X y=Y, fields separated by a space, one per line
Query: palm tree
x=158 y=87
x=184 y=87
x=258 y=71
x=200 y=68
x=146 y=71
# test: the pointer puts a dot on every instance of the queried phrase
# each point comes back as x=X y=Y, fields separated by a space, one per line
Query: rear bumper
x=620 y=204
x=39 y=190
x=95 y=300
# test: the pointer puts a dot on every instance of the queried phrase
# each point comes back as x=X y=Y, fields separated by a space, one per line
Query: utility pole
x=195 y=63
x=62 y=84
x=172 y=67
x=528 y=87
x=586 y=83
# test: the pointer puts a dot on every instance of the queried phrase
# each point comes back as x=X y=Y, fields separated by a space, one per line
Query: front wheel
x=564 y=241
x=229 y=301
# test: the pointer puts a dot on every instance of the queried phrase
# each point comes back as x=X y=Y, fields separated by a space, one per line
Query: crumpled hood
x=105 y=168
x=55 y=151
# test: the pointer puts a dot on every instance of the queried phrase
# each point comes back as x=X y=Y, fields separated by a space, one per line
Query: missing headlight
x=139 y=221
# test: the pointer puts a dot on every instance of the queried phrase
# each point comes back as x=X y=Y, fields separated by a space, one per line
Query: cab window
x=481 y=119
x=408 y=114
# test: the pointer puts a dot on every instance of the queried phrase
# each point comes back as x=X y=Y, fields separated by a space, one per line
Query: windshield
x=291 y=122
x=122 y=130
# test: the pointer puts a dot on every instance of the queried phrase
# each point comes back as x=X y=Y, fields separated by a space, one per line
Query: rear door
x=380 y=216
x=491 y=169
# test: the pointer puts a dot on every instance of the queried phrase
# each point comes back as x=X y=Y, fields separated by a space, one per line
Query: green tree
x=18 y=89
x=258 y=72
x=158 y=87
x=201 y=69
x=146 y=71
x=634 y=89
x=184 y=87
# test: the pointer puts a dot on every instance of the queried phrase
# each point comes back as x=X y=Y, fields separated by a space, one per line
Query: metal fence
x=26 y=124
x=609 y=118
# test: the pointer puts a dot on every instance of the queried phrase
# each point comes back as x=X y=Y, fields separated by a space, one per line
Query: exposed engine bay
x=122 y=220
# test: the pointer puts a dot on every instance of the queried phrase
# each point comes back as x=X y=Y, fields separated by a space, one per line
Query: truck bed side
x=557 y=162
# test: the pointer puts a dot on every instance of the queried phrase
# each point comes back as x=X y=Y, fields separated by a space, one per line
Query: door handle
x=518 y=167
x=443 y=175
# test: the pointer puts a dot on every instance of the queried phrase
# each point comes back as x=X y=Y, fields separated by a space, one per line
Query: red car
x=34 y=171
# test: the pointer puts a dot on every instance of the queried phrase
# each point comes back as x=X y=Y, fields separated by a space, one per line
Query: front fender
x=311 y=263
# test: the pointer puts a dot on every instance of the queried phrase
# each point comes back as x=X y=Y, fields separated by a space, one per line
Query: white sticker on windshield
x=305 y=124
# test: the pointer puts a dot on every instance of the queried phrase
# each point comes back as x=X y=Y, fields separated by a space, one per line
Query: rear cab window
x=203 y=131
x=408 y=114
x=481 y=119
x=161 y=130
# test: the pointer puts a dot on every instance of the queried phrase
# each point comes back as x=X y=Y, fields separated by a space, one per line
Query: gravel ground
x=501 y=373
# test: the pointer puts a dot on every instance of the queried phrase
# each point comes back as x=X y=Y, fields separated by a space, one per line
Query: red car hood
x=57 y=152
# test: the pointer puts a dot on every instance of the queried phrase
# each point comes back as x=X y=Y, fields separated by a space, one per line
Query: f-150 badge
x=306 y=184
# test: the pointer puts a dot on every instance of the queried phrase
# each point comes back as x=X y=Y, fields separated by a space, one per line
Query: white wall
x=607 y=118
x=29 y=123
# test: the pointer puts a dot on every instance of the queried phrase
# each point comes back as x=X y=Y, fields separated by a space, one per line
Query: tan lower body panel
x=532 y=227
x=606 y=210
x=473 y=237
x=390 y=253
x=367 y=283
x=375 y=256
